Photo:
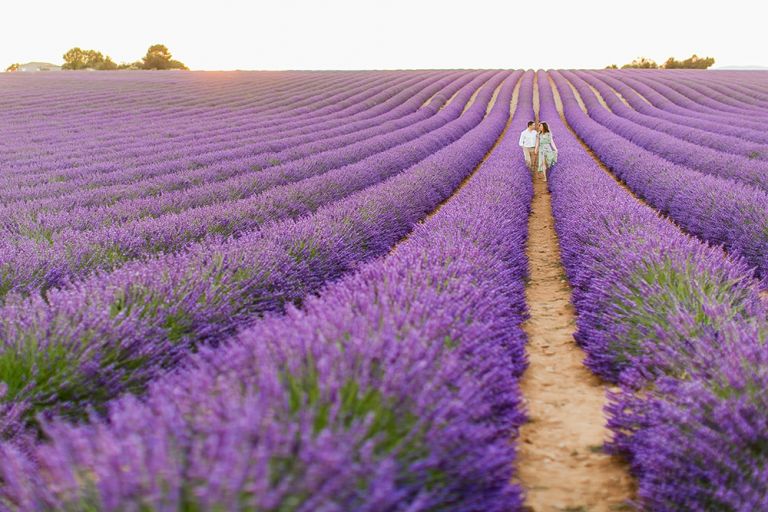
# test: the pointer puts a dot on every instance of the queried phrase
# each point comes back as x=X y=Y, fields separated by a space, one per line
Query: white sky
x=376 y=34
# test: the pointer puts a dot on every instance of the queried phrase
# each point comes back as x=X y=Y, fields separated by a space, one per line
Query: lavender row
x=33 y=265
x=118 y=121
x=681 y=327
x=596 y=221
x=750 y=171
x=113 y=332
x=686 y=106
x=224 y=138
x=719 y=211
x=711 y=98
x=669 y=99
x=171 y=143
x=733 y=88
x=96 y=91
x=227 y=180
x=254 y=173
x=208 y=151
x=242 y=92
x=654 y=104
x=154 y=133
x=395 y=389
x=747 y=126
x=740 y=90
x=744 y=151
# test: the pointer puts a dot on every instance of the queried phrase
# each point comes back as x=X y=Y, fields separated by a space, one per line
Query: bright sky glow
x=387 y=34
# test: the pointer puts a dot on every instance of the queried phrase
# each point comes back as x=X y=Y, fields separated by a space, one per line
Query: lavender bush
x=716 y=210
x=691 y=155
x=111 y=332
x=679 y=325
x=394 y=390
x=33 y=264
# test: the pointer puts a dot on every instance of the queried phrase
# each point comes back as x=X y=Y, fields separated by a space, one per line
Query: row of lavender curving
x=398 y=384
x=111 y=332
x=679 y=325
x=396 y=387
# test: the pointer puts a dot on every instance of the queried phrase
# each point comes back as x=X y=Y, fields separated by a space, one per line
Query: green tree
x=159 y=57
x=13 y=67
x=75 y=59
x=107 y=64
x=612 y=66
x=131 y=65
x=641 y=63
x=693 y=62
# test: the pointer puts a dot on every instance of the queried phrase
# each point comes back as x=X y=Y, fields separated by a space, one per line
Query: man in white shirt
x=528 y=143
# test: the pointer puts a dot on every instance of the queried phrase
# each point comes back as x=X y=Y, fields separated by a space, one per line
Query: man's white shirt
x=528 y=138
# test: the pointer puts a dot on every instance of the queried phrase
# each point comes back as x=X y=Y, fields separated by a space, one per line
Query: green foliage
x=303 y=250
x=390 y=424
x=77 y=58
x=693 y=62
x=641 y=63
x=51 y=367
x=663 y=288
x=159 y=57
x=130 y=65
x=13 y=67
x=178 y=325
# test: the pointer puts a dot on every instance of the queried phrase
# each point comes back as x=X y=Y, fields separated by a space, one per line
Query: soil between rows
x=561 y=465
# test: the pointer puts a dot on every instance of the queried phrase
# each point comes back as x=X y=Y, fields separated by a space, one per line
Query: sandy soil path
x=561 y=465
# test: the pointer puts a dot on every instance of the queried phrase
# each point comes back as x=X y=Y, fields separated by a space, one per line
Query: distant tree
x=107 y=64
x=693 y=62
x=130 y=65
x=75 y=58
x=13 y=67
x=641 y=63
x=159 y=57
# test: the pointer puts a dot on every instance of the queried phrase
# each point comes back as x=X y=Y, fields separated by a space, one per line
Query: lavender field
x=321 y=291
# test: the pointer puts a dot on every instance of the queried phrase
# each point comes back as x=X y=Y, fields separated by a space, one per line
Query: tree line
x=157 y=57
x=692 y=62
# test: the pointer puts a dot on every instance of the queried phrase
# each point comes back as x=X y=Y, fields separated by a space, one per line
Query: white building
x=39 y=66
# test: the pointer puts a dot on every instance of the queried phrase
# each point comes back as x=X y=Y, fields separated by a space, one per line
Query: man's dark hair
x=531 y=122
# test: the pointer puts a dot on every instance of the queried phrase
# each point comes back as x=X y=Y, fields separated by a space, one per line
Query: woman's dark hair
x=544 y=128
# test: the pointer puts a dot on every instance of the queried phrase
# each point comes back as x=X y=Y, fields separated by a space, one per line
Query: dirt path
x=640 y=95
x=493 y=98
x=561 y=465
x=620 y=96
x=472 y=98
x=560 y=462
x=599 y=97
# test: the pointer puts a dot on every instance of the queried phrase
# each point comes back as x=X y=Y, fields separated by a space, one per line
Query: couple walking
x=538 y=147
